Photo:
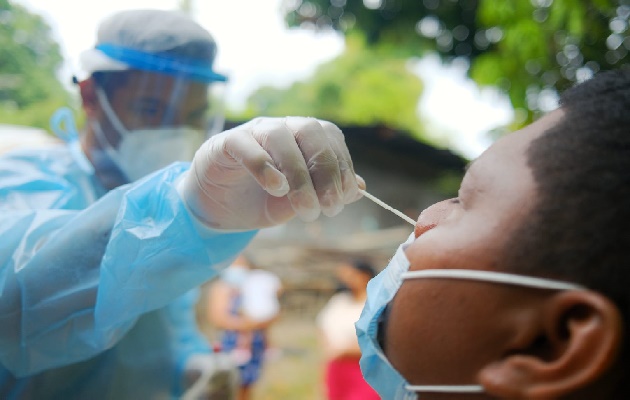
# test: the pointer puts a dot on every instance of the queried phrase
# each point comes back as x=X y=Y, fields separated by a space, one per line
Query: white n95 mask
x=376 y=369
x=143 y=151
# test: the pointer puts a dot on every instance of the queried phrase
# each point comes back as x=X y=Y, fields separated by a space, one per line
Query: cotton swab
x=385 y=206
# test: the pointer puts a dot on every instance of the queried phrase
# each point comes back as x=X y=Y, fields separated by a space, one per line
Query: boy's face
x=442 y=331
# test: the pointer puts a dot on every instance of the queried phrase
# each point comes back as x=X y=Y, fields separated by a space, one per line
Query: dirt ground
x=294 y=369
x=294 y=364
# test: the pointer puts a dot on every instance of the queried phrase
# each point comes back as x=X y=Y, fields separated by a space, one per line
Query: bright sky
x=458 y=109
x=255 y=49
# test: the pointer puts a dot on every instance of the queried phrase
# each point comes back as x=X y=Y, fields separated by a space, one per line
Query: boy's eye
x=454 y=200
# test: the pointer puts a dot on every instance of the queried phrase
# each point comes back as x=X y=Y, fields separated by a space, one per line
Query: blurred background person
x=243 y=303
x=343 y=378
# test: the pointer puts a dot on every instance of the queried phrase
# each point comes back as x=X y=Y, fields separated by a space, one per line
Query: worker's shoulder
x=32 y=152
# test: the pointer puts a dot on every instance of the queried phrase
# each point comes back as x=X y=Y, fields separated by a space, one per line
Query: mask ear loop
x=483 y=276
x=495 y=277
x=62 y=124
x=445 y=388
x=387 y=207
x=110 y=113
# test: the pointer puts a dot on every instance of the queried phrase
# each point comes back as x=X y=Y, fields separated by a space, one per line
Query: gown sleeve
x=75 y=277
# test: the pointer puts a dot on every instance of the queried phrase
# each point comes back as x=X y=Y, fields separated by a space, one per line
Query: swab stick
x=385 y=206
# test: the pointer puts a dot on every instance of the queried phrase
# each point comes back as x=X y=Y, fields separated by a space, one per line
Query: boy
x=517 y=288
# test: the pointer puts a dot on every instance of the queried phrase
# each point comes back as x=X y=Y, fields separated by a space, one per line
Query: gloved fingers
x=279 y=141
x=350 y=181
x=243 y=148
x=361 y=183
x=322 y=161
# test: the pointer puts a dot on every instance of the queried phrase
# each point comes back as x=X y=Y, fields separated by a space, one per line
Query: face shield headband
x=166 y=64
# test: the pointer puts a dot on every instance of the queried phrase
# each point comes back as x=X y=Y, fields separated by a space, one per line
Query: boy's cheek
x=427 y=253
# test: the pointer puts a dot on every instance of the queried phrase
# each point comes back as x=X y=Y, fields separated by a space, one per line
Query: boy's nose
x=430 y=217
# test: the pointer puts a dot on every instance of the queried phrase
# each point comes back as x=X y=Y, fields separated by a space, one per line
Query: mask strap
x=111 y=114
x=484 y=276
x=62 y=124
x=445 y=388
x=496 y=277
x=107 y=148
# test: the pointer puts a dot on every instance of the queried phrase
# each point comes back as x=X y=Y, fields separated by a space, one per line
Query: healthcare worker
x=104 y=238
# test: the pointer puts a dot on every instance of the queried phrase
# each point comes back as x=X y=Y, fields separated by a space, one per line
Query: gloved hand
x=266 y=171
x=210 y=376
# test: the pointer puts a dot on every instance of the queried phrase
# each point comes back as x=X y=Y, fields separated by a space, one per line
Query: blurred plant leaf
x=524 y=47
x=29 y=60
x=359 y=87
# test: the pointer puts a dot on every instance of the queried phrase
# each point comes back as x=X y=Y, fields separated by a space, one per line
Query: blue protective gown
x=96 y=287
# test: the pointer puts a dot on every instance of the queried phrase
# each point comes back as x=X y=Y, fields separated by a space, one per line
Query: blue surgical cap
x=168 y=42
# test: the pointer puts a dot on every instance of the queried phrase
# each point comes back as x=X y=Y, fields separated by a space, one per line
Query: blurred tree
x=530 y=49
x=360 y=87
x=187 y=7
x=29 y=60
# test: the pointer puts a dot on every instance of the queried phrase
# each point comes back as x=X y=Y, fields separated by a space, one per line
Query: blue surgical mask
x=376 y=369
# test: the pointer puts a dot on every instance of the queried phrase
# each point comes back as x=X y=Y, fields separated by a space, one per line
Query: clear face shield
x=136 y=100
x=157 y=112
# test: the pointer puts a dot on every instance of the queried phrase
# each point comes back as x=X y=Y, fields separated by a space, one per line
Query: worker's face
x=152 y=100
x=163 y=119
x=442 y=331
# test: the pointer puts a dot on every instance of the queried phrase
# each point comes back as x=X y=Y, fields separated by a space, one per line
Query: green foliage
x=526 y=47
x=36 y=114
x=360 y=87
x=29 y=61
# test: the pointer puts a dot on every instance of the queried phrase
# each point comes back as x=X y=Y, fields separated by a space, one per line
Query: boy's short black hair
x=579 y=227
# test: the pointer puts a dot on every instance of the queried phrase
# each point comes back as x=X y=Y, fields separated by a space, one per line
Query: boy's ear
x=568 y=346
